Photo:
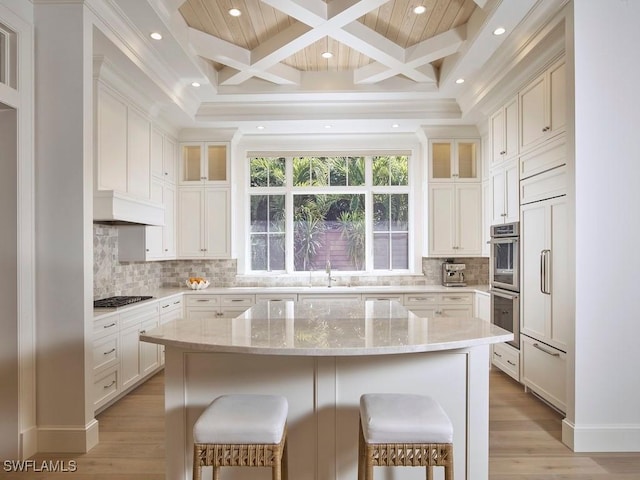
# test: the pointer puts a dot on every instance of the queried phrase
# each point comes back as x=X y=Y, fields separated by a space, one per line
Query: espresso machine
x=453 y=274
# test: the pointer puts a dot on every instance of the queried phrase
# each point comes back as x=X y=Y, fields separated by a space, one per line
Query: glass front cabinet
x=204 y=163
x=454 y=160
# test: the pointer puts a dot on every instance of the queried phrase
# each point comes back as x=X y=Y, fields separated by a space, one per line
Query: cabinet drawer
x=395 y=297
x=553 y=154
x=202 y=300
x=507 y=359
x=169 y=304
x=105 y=353
x=105 y=387
x=544 y=371
x=106 y=326
x=276 y=297
x=546 y=185
x=237 y=300
x=456 y=299
x=422 y=299
x=138 y=314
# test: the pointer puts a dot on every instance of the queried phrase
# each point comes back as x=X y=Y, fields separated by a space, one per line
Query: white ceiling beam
x=481 y=3
x=297 y=37
x=416 y=57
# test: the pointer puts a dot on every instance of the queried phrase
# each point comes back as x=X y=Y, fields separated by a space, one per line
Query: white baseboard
x=601 y=438
x=68 y=439
x=29 y=443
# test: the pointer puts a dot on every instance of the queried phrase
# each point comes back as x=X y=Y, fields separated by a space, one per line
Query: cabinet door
x=169 y=159
x=560 y=278
x=112 y=141
x=157 y=140
x=544 y=370
x=149 y=358
x=191 y=163
x=153 y=234
x=169 y=229
x=534 y=227
x=511 y=129
x=217 y=224
x=497 y=136
x=483 y=307
x=532 y=113
x=466 y=160
x=441 y=160
x=459 y=311
x=557 y=79
x=498 y=195
x=190 y=219
x=130 y=358
x=469 y=219
x=511 y=192
x=216 y=162
x=138 y=154
x=441 y=219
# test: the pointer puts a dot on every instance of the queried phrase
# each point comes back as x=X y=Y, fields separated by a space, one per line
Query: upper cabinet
x=204 y=163
x=543 y=107
x=163 y=157
x=503 y=131
x=454 y=160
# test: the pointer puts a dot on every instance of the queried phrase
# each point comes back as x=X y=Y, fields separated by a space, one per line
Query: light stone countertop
x=326 y=328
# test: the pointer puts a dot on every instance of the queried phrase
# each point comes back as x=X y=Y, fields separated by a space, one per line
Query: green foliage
x=352 y=228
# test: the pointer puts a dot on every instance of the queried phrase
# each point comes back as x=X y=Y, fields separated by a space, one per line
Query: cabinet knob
x=503 y=152
x=166 y=173
x=546 y=129
x=166 y=249
x=147 y=249
x=203 y=178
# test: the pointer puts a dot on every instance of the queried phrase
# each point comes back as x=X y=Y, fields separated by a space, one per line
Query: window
x=8 y=53
x=351 y=212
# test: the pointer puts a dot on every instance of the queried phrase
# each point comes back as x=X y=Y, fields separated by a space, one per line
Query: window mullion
x=288 y=229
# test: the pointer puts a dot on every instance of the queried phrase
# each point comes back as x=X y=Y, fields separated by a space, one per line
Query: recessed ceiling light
x=260 y=127
x=499 y=31
x=395 y=125
x=459 y=81
x=327 y=126
x=420 y=9
x=327 y=55
x=156 y=35
x=195 y=84
x=234 y=12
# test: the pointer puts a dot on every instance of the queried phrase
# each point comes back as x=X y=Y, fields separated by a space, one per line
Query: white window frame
x=414 y=171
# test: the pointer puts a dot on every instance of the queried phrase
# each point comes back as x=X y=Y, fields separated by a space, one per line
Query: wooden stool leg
x=429 y=470
x=197 y=469
x=216 y=473
x=448 y=473
x=360 y=453
x=276 y=471
x=285 y=461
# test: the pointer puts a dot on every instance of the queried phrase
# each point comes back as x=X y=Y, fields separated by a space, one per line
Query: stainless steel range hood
x=117 y=208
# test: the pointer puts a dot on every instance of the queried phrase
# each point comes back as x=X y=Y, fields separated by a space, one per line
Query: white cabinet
x=123 y=139
x=454 y=160
x=544 y=370
x=543 y=107
x=548 y=156
x=507 y=359
x=483 y=306
x=138 y=243
x=204 y=163
x=204 y=229
x=171 y=308
x=216 y=306
x=546 y=297
x=503 y=132
x=163 y=156
x=505 y=194
x=455 y=219
x=138 y=358
x=440 y=304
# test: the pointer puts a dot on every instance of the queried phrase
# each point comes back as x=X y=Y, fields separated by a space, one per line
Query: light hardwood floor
x=524 y=442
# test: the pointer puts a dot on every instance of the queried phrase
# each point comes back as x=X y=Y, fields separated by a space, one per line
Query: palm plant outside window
x=351 y=211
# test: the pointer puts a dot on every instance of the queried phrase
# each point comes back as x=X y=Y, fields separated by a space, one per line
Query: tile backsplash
x=112 y=277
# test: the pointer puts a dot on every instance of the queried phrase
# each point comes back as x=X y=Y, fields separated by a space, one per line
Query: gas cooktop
x=120 y=301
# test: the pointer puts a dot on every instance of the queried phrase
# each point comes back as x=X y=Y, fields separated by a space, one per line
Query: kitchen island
x=322 y=356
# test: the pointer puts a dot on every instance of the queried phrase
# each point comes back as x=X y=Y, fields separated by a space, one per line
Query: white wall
x=607 y=118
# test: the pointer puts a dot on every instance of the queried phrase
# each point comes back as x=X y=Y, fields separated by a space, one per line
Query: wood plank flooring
x=524 y=438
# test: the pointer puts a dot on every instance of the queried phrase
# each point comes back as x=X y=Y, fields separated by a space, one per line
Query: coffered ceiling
x=388 y=64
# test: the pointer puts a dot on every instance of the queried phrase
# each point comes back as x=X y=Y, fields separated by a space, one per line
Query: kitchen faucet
x=328 y=270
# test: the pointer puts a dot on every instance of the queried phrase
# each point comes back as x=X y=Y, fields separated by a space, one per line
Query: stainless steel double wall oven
x=505 y=278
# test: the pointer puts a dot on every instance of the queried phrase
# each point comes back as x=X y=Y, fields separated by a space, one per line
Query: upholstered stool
x=242 y=431
x=404 y=430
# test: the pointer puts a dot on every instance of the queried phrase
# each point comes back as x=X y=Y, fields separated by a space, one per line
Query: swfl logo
x=40 y=466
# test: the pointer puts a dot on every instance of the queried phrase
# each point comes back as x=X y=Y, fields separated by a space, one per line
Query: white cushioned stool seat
x=404 y=418
x=242 y=419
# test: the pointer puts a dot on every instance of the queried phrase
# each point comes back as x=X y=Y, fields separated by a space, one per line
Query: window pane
x=381 y=246
x=399 y=250
x=310 y=171
x=276 y=213
x=356 y=171
x=329 y=228
x=381 y=212
x=267 y=172
x=276 y=252
x=259 y=213
x=398 y=170
x=258 y=252
x=399 y=211
x=381 y=170
x=338 y=171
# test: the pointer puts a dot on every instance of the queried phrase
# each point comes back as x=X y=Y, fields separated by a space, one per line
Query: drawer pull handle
x=177 y=302
x=203 y=300
x=497 y=354
x=455 y=298
x=113 y=382
x=142 y=332
x=110 y=325
x=166 y=306
x=549 y=352
x=511 y=363
x=219 y=314
x=417 y=299
x=110 y=351
x=238 y=300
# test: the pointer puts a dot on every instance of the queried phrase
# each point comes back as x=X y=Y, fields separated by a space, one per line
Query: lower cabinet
x=218 y=306
x=544 y=370
x=507 y=359
x=440 y=304
x=120 y=360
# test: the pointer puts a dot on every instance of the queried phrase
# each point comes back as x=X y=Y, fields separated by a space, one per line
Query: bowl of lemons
x=197 y=283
